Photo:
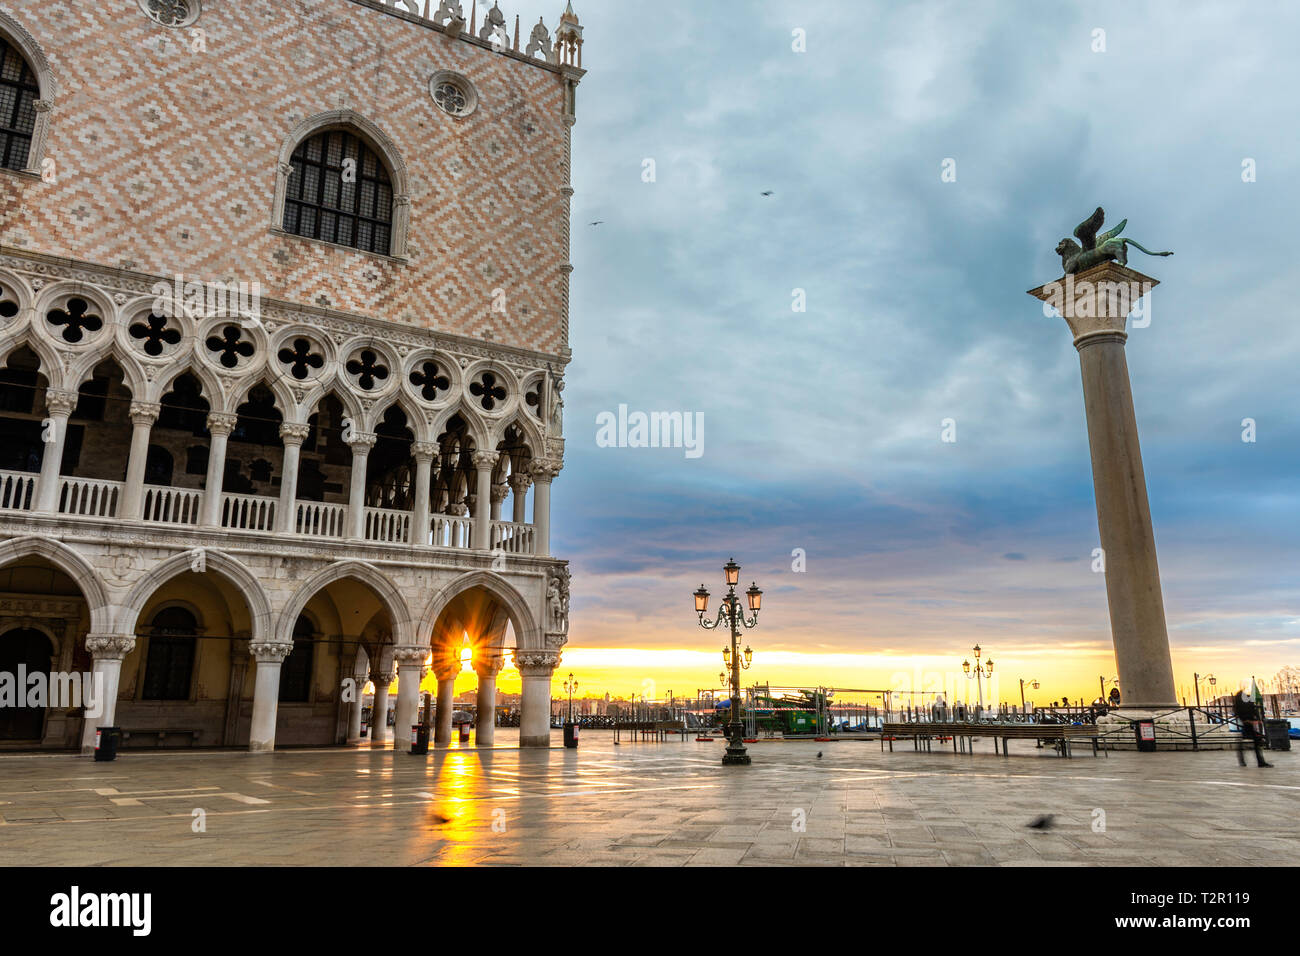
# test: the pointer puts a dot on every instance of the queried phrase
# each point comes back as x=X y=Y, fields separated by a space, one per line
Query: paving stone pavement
x=649 y=804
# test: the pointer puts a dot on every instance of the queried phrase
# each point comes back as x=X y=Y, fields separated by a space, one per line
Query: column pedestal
x=1095 y=304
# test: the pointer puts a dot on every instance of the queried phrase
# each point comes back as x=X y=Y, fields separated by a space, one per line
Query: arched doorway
x=474 y=624
x=23 y=651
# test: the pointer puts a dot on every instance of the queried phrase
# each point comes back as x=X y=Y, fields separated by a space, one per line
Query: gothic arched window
x=295 y=673
x=169 y=668
x=340 y=191
x=18 y=95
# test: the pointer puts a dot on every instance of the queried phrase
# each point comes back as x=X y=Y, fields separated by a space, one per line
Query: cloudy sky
x=822 y=428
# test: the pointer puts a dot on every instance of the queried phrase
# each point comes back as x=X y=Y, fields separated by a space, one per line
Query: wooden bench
x=962 y=735
x=161 y=734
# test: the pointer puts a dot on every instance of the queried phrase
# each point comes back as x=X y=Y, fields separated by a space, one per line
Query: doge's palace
x=283 y=332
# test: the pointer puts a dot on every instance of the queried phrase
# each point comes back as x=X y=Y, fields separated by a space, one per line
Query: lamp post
x=570 y=686
x=978 y=675
x=1197 y=679
x=1032 y=683
x=730 y=612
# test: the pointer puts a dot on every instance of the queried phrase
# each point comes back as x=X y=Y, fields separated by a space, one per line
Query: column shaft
x=219 y=427
x=442 y=715
x=58 y=406
x=361 y=445
x=266 y=694
x=142 y=418
x=1137 y=612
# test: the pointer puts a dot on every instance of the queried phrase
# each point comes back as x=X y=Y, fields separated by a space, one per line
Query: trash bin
x=419 y=738
x=1145 y=733
x=464 y=732
x=571 y=735
x=1278 y=734
x=106 y=741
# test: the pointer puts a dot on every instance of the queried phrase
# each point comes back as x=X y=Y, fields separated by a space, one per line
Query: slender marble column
x=1095 y=304
x=361 y=445
x=59 y=404
x=483 y=462
x=266 y=693
x=106 y=654
x=519 y=483
x=354 y=716
x=143 y=416
x=446 y=703
x=536 y=668
x=425 y=454
x=543 y=471
x=220 y=425
x=485 y=729
x=381 y=677
x=409 y=662
x=293 y=435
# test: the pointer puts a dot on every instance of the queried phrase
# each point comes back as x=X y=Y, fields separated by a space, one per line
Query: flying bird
x=598 y=222
x=767 y=193
x=1042 y=823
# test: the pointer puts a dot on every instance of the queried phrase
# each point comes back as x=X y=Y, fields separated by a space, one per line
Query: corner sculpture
x=1097 y=249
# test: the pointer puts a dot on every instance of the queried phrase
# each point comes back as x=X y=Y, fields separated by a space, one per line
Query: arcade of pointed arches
x=176 y=651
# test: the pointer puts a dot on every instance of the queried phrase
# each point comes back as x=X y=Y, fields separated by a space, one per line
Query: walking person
x=1251 y=728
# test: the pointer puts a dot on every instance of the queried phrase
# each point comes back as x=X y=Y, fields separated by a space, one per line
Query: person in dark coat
x=1248 y=714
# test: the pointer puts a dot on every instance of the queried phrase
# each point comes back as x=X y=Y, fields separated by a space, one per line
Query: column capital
x=144 y=413
x=519 y=481
x=499 y=493
x=536 y=663
x=409 y=654
x=545 y=469
x=424 y=451
x=222 y=423
x=490 y=668
x=446 y=670
x=382 y=678
x=269 y=652
x=60 y=401
x=362 y=442
x=294 y=433
x=484 y=459
x=110 y=647
x=1096 y=301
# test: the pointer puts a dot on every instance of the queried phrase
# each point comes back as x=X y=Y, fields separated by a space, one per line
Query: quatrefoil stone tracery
x=428 y=377
x=154 y=333
x=487 y=391
x=300 y=359
x=367 y=369
x=75 y=320
x=230 y=346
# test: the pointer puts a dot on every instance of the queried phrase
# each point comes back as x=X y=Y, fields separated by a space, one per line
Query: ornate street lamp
x=977 y=676
x=570 y=686
x=735 y=659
